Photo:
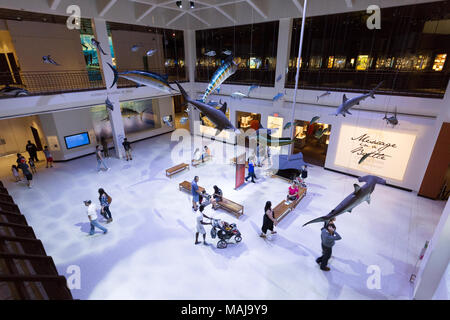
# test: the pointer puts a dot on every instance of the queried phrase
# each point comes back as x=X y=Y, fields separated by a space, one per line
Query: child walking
x=49 y=157
x=32 y=166
x=15 y=173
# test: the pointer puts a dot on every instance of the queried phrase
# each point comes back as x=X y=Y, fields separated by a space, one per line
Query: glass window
x=408 y=52
x=255 y=45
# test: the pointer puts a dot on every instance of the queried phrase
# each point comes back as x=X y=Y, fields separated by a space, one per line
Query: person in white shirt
x=200 y=223
x=92 y=215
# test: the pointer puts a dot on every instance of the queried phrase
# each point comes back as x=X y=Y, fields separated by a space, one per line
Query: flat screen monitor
x=77 y=140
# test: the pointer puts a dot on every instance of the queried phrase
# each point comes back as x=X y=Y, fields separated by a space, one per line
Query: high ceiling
x=205 y=14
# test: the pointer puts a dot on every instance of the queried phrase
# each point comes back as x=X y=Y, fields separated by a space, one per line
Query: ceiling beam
x=298 y=5
x=198 y=18
x=106 y=7
x=146 y=13
x=53 y=4
x=349 y=3
x=178 y=16
x=258 y=9
x=226 y=14
x=211 y=6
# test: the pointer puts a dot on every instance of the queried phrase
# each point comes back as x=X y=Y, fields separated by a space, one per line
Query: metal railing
x=41 y=83
x=429 y=84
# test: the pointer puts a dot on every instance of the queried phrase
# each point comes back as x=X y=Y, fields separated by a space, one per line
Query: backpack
x=109 y=199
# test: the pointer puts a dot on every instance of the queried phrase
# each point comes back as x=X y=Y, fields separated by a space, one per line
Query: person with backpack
x=26 y=172
x=127 y=146
x=105 y=201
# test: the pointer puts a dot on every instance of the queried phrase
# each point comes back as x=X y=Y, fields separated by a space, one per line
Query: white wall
x=129 y=60
x=16 y=133
x=65 y=123
x=422 y=117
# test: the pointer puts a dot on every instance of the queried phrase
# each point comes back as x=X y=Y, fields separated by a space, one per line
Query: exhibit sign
x=240 y=170
x=389 y=151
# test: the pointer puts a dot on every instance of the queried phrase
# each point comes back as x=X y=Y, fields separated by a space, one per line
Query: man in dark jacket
x=32 y=150
x=329 y=236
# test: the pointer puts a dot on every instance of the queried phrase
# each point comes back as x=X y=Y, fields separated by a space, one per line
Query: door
x=37 y=140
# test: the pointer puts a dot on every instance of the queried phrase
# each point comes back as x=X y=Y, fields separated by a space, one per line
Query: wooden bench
x=186 y=186
x=195 y=162
x=282 y=209
x=235 y=208
x=178 y=168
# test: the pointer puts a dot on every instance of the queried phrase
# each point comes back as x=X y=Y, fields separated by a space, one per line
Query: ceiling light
x=192 y=4
x=179 y=4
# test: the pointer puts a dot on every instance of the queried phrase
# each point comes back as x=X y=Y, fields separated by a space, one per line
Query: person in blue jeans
x=195 y=193
x=251 y=170
x=100 y=160
x=92 y=215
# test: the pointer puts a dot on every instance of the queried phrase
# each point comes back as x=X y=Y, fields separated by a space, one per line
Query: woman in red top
x=293 y=192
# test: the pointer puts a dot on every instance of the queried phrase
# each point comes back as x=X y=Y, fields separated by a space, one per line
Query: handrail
x=63 y=81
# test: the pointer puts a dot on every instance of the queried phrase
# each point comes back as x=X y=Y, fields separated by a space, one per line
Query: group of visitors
x=102 y=153
x=29 y=168
x=105 y=201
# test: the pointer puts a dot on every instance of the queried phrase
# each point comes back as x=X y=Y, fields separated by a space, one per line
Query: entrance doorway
x=312 y=140
x=181 y=117
x=37 y=139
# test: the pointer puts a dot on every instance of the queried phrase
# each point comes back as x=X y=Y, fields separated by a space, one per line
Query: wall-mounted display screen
x=77 y=140
x=388 y=151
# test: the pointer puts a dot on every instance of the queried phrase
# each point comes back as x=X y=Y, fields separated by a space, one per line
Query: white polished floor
x=149 y=252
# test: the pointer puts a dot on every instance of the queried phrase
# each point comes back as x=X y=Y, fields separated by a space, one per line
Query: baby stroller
x=224 y=232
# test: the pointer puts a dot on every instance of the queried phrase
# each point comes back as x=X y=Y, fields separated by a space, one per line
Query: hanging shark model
x=8 y=91
x=49 y=60
x=217 y=116
x=98 y=46
x=360 y=194
x=392 y=120
x=349 y=103
x=145 y=78
x=109 y=104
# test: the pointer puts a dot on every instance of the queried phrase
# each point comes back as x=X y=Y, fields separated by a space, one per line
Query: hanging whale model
x=360 y=194
x=392 y=120
x=228 y=68
x=145 y=78
x=217 y=116
x=349 y=103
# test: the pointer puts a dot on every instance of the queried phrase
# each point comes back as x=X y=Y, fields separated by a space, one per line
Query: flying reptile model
x=358 y=196
x=349 y=103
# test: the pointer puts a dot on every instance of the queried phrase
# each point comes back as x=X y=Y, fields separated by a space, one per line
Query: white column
x=436 y=259
x=284 y=43
x=115 y=116
x=283 y=47
x=190 y=55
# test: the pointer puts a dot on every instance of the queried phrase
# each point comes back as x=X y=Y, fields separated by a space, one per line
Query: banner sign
x=388 y=151
x=240 y=170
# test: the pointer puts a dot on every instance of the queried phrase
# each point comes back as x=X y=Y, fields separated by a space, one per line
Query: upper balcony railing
x=55 y=82
x=428 y=84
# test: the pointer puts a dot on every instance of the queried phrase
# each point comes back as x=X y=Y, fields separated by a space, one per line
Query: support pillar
x=191 y=58
x=436 y=259
x=115 y=116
